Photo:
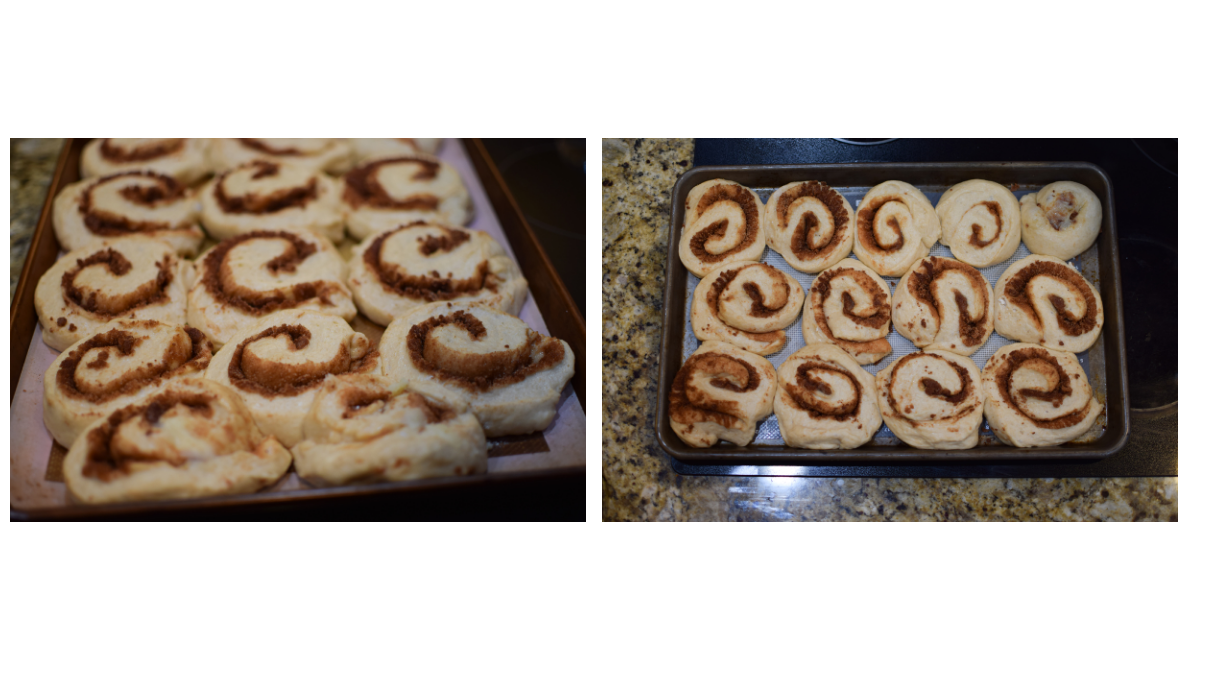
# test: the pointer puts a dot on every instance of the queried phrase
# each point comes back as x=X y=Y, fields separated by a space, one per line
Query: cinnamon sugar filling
x=269 y=378
x=107 y=223
x=431 y=286
x=726 y=193
x=1046 y=364
x=145 y=152
x=270 y=203
x=181 y=357
x=688 y=406
x=801 y=244
x=479 y=372
x=1016 y=290
x=920 y=286
x=219 y=280
x=805 y=394
x=363 y=187
x=107 y=305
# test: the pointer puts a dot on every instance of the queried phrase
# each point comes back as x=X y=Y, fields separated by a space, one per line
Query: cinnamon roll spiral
x=88 y=289
x=370 y=149
x=722 y=224
x=932 y=400
x=980 y=222
x=360 y=430
x=721 y=393
x=125 y=204
x=1060 y=220
x=895 y=225
x=848 y=305
x=1044 y=300
x=246 y=277
x=277 y=365
x=810 y=224
x=193 y=438
x=747 y=305
x=944 y=304
x=401 y=269
x=1034 y=396
x=319 y=154
x=825 y=400
x=263 y=195
x=383 y=194
x=184 y=159
x=510 y=375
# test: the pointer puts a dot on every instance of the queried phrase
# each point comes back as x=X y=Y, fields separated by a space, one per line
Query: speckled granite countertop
x=638 y=482
x=31 y=165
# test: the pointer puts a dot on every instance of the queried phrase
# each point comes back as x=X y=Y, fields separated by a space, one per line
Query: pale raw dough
x=944 y=304
x=721 y=393
x=722 y=307
x=722 y=224
x=810 y=224
x=386 y=193
x=1034 y=396
x=895 y=225
x=332 y=155
x=1060 y=220
x=825 y=400
x=1025 y=305
x=859 y=328
x=980 y=222
x=126 y=204
x=370 y=149
x=185 y=159
x=261 y=195
x=932 y=400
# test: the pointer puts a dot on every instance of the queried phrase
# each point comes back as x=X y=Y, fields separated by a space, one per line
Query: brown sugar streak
x=219 y=280
x=252 y=373
x=479 y=372
x=713 y=299
x=801 y=243
x=933 y=388
x=166 y=190
x=180 y=358
x=151 y=292
x=920 y=283
x=728 y=373
x=270 y=203
x=103 y=462
x=726 y=193
x=1016 y=290
x=145 y=152
x=865 y=231
x=1045 y=363
x=976 y=230
x=805 y=393
x=428 y=287
x=879 y=298
x=363 y=187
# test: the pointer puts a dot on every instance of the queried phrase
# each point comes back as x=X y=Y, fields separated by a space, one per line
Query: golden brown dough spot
x=1016 y=290
x=726 y=193
x=920 y=286
x=1045 y=363
x=865 y=232
x=479 y=372
x=834 y=202
x=728 y=373
x=363 y=187
x=254 y=203
x=805 y=394
x=145 y=152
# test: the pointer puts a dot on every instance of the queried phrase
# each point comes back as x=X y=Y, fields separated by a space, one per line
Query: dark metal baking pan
x=1018 y=175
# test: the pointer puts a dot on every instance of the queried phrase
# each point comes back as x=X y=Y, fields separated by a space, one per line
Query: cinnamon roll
x=360 y=430
x=403 y=268
x=183 y=159
x=932 y=400
x=117 y=367
x=191 y=439
x=980 y=222
x=370 y=149
x=1034 y=396
x=895 y=225
x=1044 y=300
x=721 y=393
x=383 y=194
x=262 y=195
x=747 y=305
x=88 y=289
x=1060 y=220
x=848 y=305
x=810 y=224
x=824 y=400
x=511 y=375
x=944 y=304
x=722 y=224
x=277 y=364
x=125 y=204
x=246 y=277
x=319 y=154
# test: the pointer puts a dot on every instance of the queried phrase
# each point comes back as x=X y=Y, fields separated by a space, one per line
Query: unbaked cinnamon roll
x=246 y=277
x=360 y=430
x=721 y=393
x=932 y=400
x=895 y=225
x=88 y=289
x=383 y=194
x=193 y=438
x=944 y=304
x=262 y=195
x=511 y=375
x=277 y=365
x=117 y=367
x=1060 y=220
x=125 y=204
x=184 y=159
x=748 y=305
x=370 y=149
x=825 y=400
x=848 y=305
x=810 y=224
x=1044 y=300
x=1034 y=396
x=401 y=269
x=722 y=224
x=319 y=154
x=980 y=222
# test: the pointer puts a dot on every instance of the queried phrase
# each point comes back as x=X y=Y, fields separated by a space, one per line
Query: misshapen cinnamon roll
x=747 y=305
x=1060 y=220
x=1044 y=300
x=360 y=430
x=510 y=375
x=932 y=400
x=980 y=222
x=184 y=159
x=944 y=304
x=88 y=289
x=191 y=439
x=721 y=393
x=401 y=269
x=126 y=204
x=262 y=195
x=810 y=224
x=319 y=154
x=825 y=400
x=117 y=367
x=277 y=365
x=722 y=224
x=848 y=305
x=895 y=225
x=1034 y=396
x=370 y=149
x=251 y=275
x=383 y=194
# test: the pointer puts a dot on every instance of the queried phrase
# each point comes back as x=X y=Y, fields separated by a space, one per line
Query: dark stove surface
x=1144 y=175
